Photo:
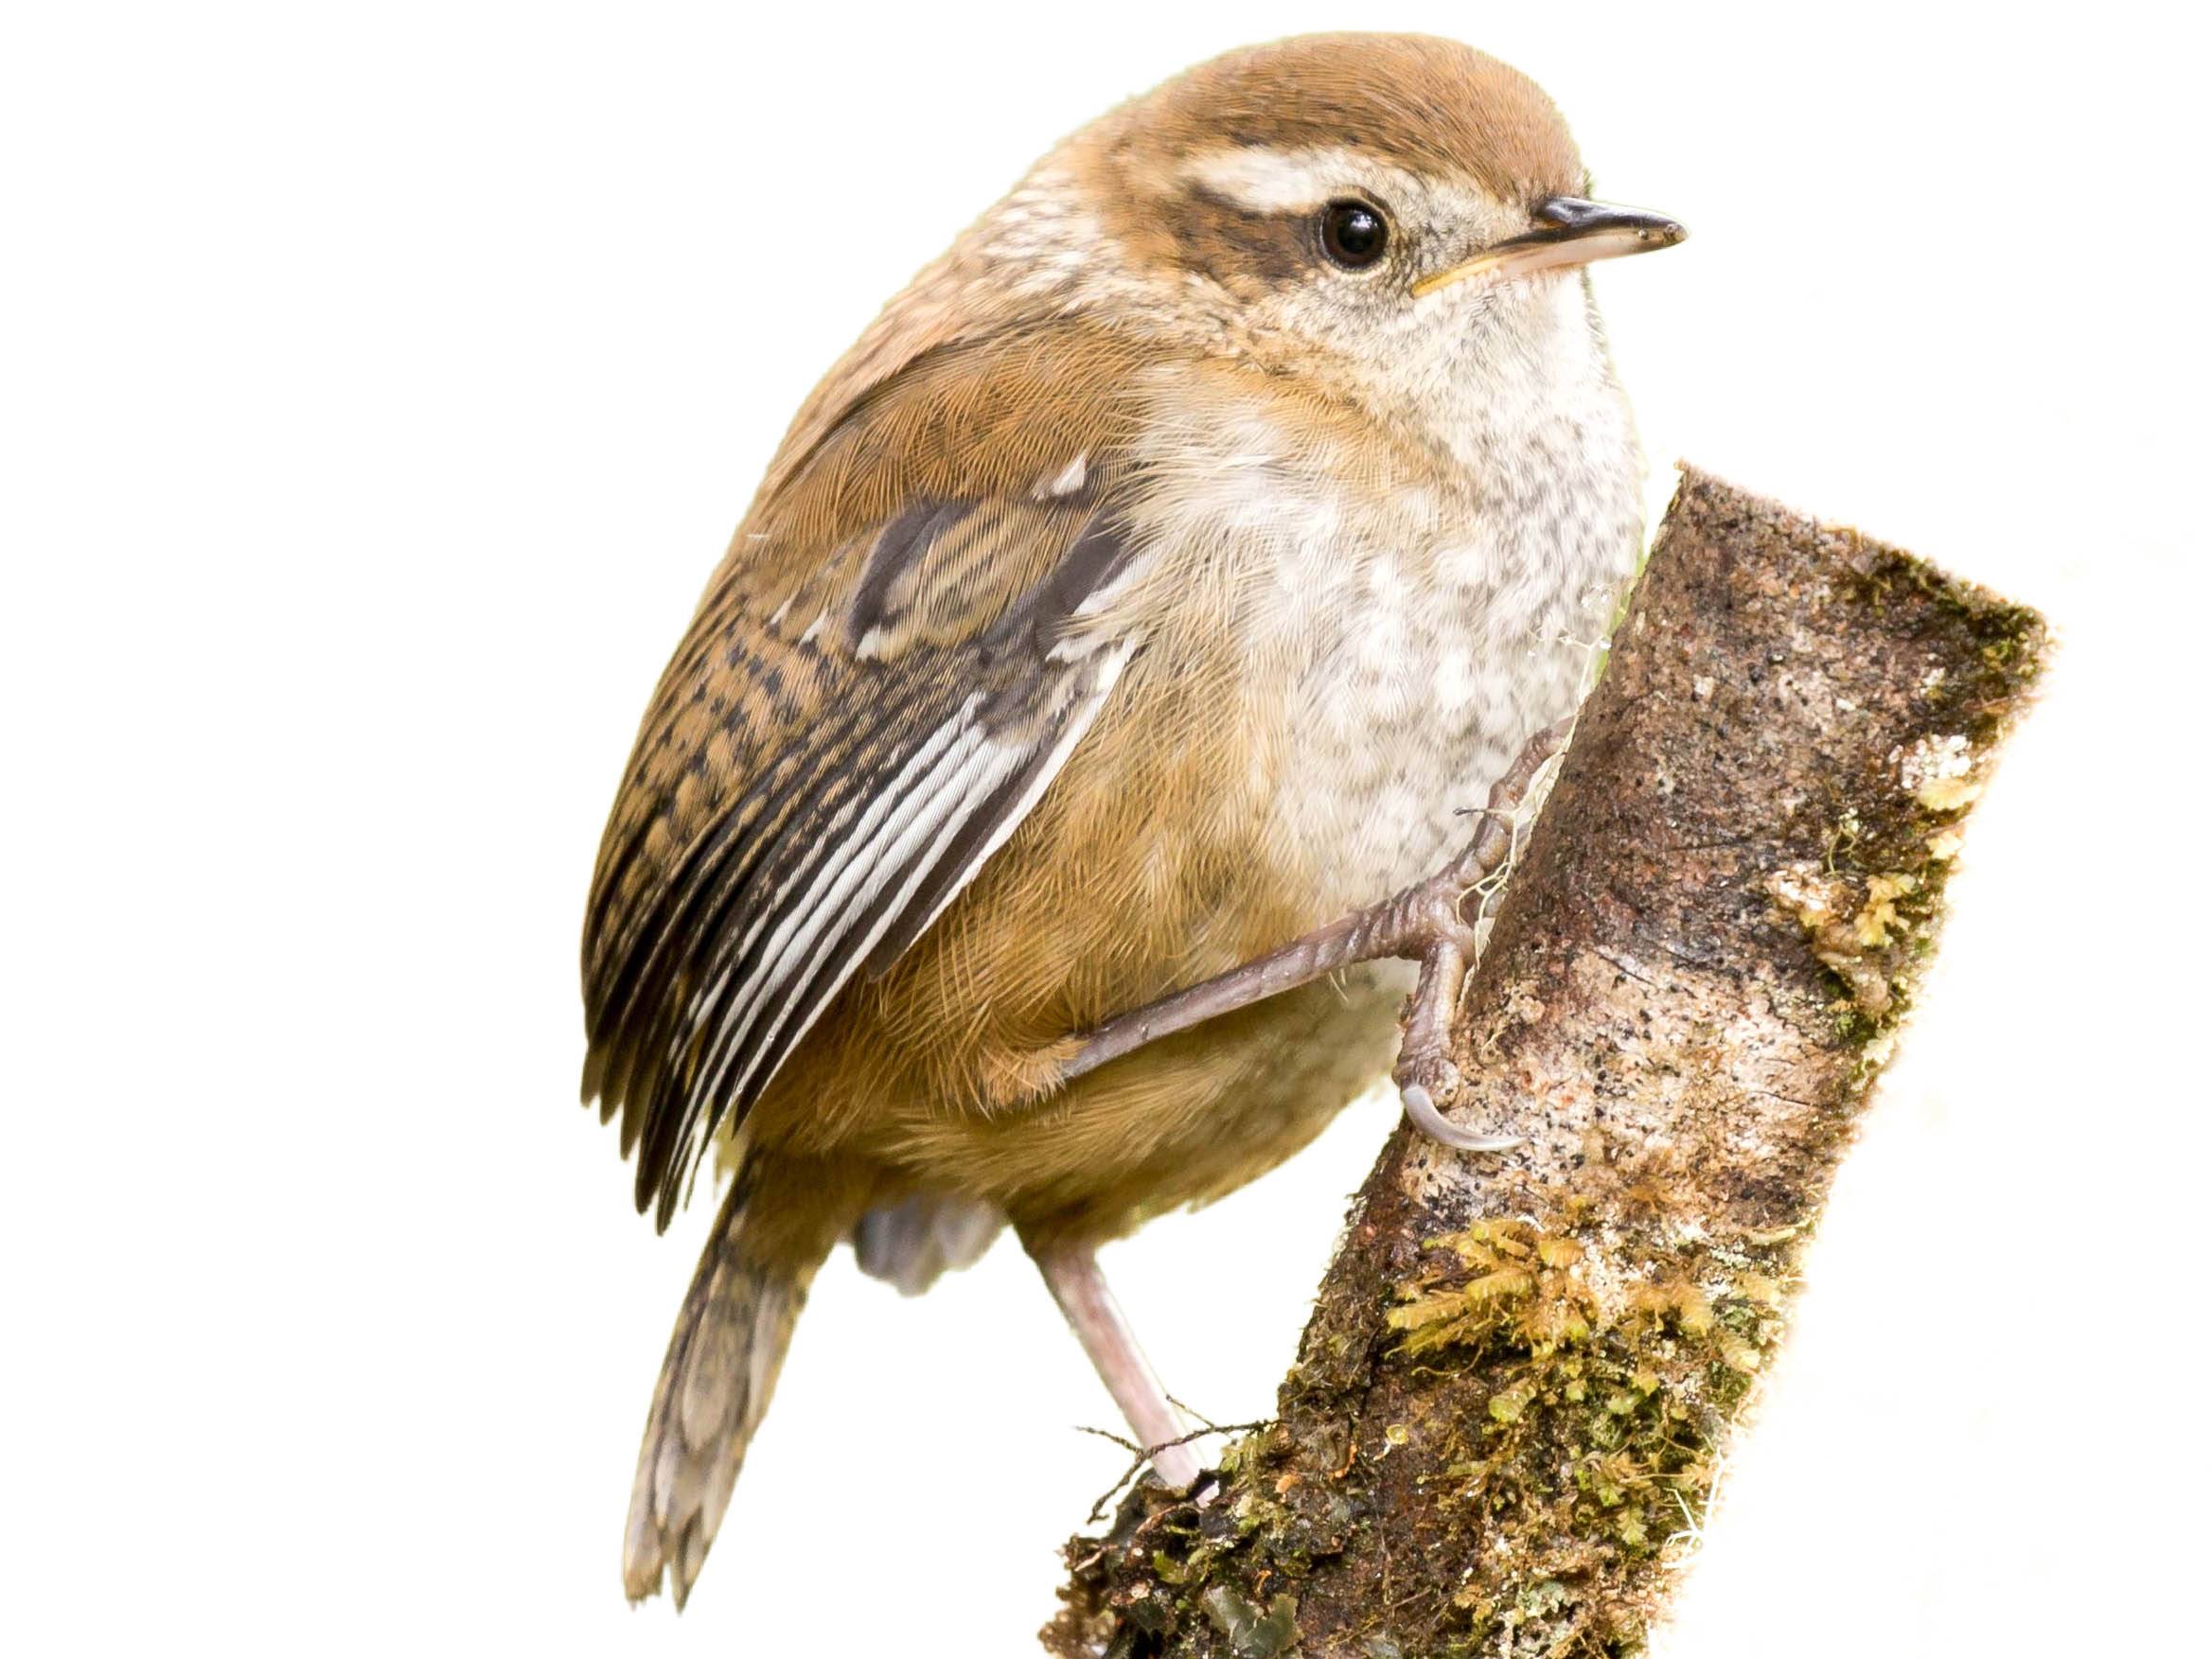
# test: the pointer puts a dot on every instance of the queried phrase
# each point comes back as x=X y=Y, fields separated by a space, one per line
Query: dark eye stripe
x=1227 y=241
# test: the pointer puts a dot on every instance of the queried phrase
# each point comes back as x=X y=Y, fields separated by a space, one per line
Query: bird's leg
x=1072 y=1272
x=1422 y=924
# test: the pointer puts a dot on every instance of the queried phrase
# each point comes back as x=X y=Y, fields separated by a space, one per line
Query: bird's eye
x=1353 y=234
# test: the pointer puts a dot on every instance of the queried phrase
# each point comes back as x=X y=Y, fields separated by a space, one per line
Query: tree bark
x=1507 y=1406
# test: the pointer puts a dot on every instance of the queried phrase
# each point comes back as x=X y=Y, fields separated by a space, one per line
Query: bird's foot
x=1432 y=927
x=1427 y=923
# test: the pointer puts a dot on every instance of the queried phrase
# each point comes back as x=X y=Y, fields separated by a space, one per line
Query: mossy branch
x=1506 y=1413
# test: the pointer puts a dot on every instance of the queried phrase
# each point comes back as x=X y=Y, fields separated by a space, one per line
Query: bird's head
x=1346 y=205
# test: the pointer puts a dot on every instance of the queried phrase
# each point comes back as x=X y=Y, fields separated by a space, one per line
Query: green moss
x=1251 y=1632
x=1626 y=1404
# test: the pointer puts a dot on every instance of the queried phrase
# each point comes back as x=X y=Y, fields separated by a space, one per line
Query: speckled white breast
x=1403 y=644
x=1399 y=647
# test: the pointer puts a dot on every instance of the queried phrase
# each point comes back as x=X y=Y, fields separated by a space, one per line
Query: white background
x=379 y=384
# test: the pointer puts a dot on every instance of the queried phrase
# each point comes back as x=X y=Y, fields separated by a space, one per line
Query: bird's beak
x=1569 y=231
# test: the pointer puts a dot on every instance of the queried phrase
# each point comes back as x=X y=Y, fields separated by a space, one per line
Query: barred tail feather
x=714 y=1384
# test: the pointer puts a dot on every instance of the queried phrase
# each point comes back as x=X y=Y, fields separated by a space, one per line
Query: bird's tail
x=714 y=1384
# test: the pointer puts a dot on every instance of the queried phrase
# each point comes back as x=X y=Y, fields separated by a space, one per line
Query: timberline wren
x=1149 y=587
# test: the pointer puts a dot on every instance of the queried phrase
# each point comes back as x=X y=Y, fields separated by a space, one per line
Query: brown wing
x=909 y=635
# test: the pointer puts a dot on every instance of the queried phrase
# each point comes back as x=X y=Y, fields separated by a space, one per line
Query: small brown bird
x=1148 y=588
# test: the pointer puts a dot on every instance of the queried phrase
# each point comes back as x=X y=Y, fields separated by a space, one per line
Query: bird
x=1143 y=596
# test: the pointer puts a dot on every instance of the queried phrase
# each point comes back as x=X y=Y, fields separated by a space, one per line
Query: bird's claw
x=1421 y=1111
x=1425 y=1072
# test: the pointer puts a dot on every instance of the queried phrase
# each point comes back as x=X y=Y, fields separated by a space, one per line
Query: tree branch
x=1522 y=1369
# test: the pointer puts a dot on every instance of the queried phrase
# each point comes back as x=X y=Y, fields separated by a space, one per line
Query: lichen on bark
x=1503 y=1423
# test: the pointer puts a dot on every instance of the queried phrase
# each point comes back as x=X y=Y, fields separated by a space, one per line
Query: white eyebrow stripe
x=1280 y=180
